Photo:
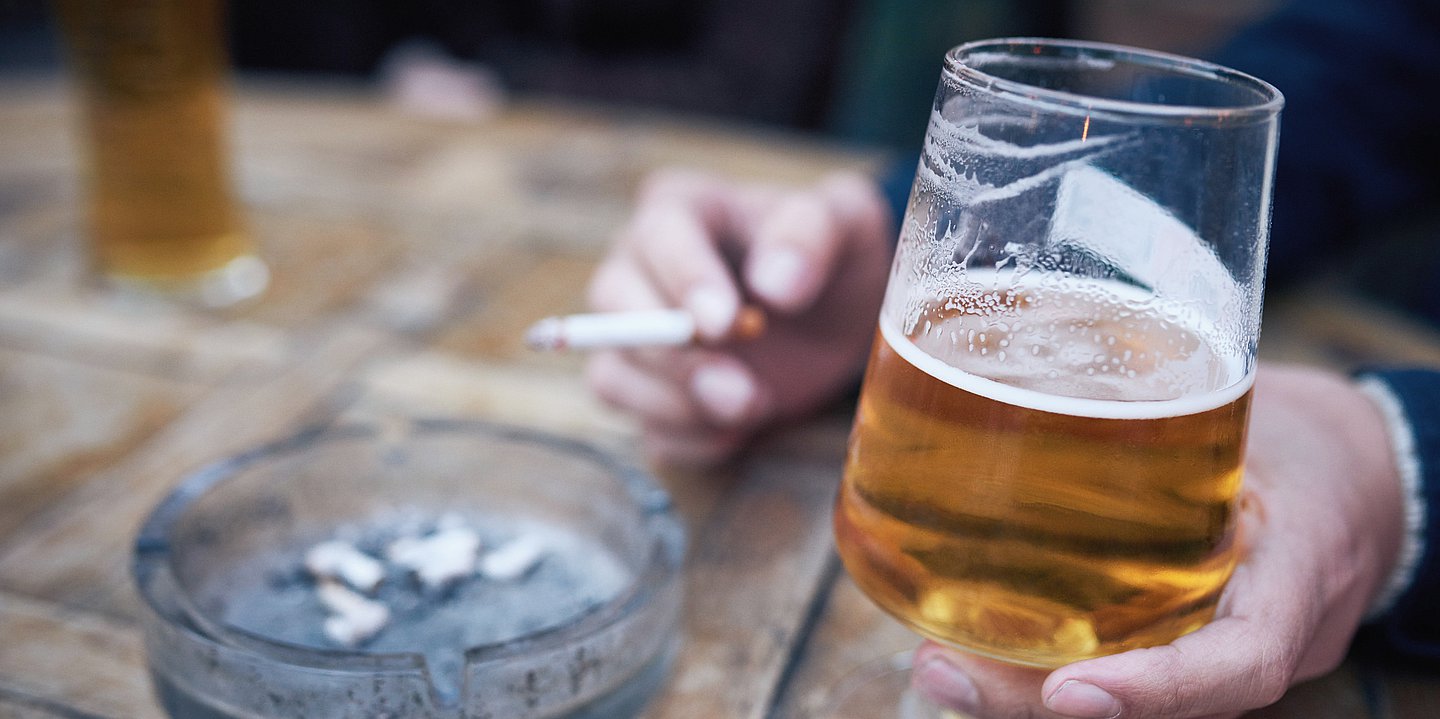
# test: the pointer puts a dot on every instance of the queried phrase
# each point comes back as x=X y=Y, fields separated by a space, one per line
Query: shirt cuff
x=1402 y=446
x=1406 y=606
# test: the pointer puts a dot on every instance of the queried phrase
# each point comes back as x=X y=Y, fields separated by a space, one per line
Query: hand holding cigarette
x=724 y=308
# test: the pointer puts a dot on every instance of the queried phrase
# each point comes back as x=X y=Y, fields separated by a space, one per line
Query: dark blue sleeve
x=1413 y=623
x=895 y=181
x=1360 y=133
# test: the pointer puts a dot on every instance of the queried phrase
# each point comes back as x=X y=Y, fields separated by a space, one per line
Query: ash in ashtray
x=437 y=587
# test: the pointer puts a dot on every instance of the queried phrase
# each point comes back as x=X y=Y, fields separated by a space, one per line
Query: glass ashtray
x=583 y=628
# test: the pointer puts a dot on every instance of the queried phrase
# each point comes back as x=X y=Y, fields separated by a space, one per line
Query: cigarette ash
x=438 y=587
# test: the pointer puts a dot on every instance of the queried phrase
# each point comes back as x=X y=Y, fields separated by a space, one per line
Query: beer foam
x=1062 y=404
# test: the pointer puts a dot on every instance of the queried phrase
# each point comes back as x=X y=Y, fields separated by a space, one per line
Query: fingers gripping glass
x=1047 y=451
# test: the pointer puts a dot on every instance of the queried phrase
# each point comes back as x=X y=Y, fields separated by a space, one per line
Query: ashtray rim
x=662 y=565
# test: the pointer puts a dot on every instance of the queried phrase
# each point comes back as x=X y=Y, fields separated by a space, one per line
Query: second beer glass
x=1048 y=448
x=163 y=218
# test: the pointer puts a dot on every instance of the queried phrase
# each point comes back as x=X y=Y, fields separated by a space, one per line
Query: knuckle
x=803 y=221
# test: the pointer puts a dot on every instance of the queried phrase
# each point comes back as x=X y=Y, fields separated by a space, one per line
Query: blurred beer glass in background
x=162 y=216
x=1048 y=447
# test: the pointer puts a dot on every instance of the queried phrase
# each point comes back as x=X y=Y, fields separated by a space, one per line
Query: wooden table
x=409 y=254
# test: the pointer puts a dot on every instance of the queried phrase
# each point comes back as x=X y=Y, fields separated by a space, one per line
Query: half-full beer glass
x=162 y=215
x=1049 y=443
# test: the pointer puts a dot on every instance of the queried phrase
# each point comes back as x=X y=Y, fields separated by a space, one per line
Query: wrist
x=1411 y=624
x=1375 y=495
x=1320 y=429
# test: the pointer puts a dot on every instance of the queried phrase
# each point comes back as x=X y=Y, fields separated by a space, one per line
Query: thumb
x=1241 y=661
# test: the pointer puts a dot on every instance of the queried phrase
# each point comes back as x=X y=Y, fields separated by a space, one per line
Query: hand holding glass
x=1047 y=454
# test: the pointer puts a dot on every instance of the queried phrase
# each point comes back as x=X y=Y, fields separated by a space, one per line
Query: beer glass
x=162 y=216
x=1049 y=440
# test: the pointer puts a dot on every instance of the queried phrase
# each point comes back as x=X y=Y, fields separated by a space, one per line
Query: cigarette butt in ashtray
x=639 y=328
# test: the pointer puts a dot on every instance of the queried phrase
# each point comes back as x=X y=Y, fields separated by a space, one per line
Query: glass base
x=881 y=690
x=237 y=282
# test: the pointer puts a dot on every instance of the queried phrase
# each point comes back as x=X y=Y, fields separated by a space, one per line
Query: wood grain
x=77 y=551
x=753 y=573
x=409 y=254
x=61 y=662
x=66 y=421
x=850 y=636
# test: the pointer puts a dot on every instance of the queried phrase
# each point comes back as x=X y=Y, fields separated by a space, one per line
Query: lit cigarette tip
x=749 y=324
x=546 y=335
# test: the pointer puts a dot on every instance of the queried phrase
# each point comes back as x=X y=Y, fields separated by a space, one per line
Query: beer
x=151 y=76
x=1045 y=476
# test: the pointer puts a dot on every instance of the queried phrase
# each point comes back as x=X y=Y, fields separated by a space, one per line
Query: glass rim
x=1269 y=104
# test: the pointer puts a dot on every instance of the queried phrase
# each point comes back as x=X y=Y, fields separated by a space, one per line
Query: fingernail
x=714 y=310
x=727 y=392
x=944 y=683
x=1083 y=701
x=776 y=275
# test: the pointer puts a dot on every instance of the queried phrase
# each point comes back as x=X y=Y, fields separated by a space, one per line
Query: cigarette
x=353 y=619
x=340 y=560
x=514 y=560
x=640 y=328
x=440 y=558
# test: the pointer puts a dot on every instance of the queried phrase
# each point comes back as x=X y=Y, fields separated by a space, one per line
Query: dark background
x=860 y=70
x=864 y=72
